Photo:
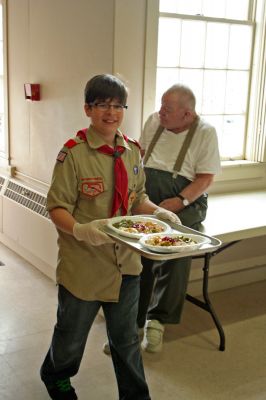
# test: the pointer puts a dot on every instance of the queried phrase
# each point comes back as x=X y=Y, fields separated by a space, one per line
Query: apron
x=161 y=185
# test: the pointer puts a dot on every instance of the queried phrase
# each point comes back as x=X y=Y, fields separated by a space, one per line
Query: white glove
x=91 y=233
x=162 y=213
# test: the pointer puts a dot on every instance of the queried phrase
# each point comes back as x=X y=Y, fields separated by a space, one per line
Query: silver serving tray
x=137 y=247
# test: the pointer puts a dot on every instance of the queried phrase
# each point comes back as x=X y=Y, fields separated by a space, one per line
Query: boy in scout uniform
x=98 y=174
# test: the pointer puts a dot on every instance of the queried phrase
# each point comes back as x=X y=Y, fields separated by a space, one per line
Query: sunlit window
x=207 y=45
x=230 y=9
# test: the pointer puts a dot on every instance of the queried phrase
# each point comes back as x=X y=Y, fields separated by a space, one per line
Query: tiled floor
x=189 y=368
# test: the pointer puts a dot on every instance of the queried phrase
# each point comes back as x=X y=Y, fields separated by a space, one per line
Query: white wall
x=59 y=44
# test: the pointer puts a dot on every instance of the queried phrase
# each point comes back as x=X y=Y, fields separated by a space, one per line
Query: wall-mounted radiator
x=25 y=225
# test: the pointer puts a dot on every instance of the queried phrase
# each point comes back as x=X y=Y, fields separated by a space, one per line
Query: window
x=209 y=45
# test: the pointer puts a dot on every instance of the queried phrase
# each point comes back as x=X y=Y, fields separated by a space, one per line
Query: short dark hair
x=103 y=87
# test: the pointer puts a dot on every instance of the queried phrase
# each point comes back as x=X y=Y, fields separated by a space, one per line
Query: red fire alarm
x=32 y=91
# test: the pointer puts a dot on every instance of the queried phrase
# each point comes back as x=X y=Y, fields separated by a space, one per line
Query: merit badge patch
x=136 y=170
x=92 y=187
x=61 y=156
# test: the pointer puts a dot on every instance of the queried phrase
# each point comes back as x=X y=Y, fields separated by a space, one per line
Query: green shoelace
x=63 y=385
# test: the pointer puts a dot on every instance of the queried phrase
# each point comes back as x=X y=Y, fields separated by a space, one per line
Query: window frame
x=256 y=145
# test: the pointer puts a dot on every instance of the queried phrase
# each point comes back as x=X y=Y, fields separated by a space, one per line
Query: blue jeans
x=74 y=320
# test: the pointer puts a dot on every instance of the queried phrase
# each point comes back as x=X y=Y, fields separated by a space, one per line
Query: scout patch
x=131 y=197
x=136 y=170
x=92 y=187
x=61 y=156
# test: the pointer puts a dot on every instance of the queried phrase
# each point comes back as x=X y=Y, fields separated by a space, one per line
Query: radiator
x=26 y=226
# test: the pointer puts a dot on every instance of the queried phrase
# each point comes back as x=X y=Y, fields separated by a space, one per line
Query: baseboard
x=216 y=268
x=229 y=280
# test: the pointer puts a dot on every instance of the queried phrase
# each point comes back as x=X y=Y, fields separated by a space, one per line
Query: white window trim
x=239 y=172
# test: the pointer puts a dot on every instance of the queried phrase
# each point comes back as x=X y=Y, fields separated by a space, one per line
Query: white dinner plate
x=136 y=219
x=198 y=241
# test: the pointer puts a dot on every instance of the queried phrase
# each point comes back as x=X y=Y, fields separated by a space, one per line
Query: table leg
x=206 y=305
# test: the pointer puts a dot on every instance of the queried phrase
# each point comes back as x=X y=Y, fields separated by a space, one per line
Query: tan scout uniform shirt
x=83 y=184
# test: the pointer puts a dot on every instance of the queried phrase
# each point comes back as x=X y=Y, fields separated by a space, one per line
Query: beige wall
x=61 y=44
x=129 y=48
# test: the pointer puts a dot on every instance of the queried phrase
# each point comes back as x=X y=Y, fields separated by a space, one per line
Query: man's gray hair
x=187 y=97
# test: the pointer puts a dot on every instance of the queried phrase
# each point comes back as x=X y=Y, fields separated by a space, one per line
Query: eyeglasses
x=108 y=106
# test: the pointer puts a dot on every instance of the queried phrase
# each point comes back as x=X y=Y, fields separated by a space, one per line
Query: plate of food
x=173 y=242
x=137 y=226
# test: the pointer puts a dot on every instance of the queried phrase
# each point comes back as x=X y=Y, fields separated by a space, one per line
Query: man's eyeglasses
x=108 y=106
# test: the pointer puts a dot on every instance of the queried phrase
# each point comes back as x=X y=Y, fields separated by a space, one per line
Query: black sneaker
x=61 y=390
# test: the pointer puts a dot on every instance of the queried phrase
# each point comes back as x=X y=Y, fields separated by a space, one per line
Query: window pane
x=233 y=9
x=218 y=122
x=214 y=8
x=168 y=6
x=236 y=92
x=165 y=78
x=239 y=47
x=233 y=136
x=191 y=7
x=237 y=9
x=192 y=45
x=169 y=33
x=214 y=91
x=194 y=79
x=216 y=55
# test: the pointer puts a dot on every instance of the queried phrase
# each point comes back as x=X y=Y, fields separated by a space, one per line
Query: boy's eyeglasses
x=107 y=106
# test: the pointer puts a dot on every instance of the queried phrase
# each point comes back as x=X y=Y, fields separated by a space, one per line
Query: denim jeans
x=74 y=320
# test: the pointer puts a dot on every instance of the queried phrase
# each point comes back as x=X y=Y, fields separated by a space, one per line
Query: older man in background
x=181 y=157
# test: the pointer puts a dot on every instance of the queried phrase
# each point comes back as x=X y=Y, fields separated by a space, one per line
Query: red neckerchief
x=120 y=199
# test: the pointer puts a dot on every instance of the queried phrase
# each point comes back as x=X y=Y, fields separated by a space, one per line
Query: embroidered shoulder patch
x=61 y=156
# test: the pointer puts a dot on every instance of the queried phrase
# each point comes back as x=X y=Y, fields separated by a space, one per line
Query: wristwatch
x=184 y=200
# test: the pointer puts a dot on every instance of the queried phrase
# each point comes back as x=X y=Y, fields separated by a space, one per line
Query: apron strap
x=153 y=143
x=184 y=148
